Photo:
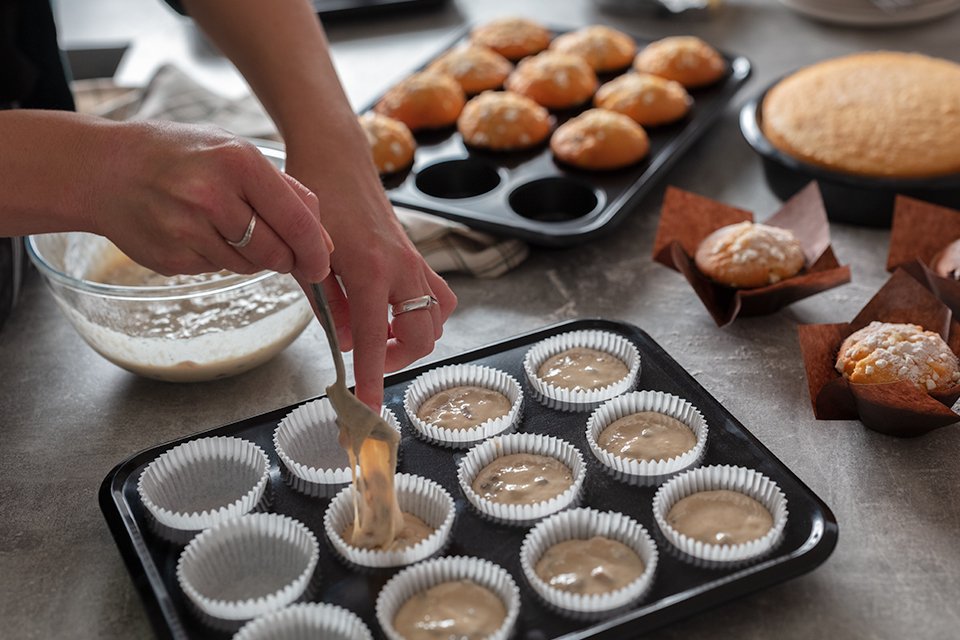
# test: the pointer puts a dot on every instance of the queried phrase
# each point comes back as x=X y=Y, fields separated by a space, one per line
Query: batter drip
x=461 y=610
x=647 y=435
x=463 y=407
x=597 y=565
x=522 y=478
x=414 y=531
x=582 y=369
x=720 y=517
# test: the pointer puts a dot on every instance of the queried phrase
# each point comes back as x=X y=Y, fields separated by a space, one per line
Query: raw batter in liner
x=597 y=565
x=463 y=407
x=647 y=435
x=414 y=530
x=581 y=368
x=522 y=478
x=720 y=517
x=462 y=609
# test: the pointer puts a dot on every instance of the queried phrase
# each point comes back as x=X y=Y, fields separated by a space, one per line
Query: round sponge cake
x=879 y=114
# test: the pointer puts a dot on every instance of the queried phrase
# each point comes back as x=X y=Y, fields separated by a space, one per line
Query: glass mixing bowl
x=181 y=329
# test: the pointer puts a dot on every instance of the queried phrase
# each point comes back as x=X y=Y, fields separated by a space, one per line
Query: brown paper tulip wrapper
x=686 y=219
x=895 y=408
x=920 y=232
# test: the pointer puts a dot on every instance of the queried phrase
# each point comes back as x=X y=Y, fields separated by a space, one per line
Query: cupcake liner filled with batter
x=479 y=595
x=661 y=422
x=428 y=515
x=535 y=466
x=588 y=563
x=459 y=405
x=306 y=443
x=740 y=511
x=248 y=566
x=201 y=483
x=576 y=371
x=308 y=620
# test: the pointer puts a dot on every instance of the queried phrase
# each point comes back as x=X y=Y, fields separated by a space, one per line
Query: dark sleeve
x=176 y=6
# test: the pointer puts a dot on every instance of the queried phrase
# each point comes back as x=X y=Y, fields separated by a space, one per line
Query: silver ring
x=413 y=304
x=245 y=240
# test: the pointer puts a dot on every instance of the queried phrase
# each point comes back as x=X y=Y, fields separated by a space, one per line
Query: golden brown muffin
x=650 y=100
x=600 y=139
x=513 y=38
x=603 y=48
x=886 y=352
x=555 y=80
x=686 y=59
x=476 y=68
x=747 y=255
x=391 y=142
x=880 y=114
x=424 y=101
x=502 y=121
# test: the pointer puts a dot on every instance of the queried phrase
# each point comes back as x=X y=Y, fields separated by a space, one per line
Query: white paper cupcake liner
x=635 y=402
x=436 y=380
x=306 y=443
x=306 y=622
x=420 y=577
x=201 y=483
x=746 y=481
x=416 y=495
x=533 y=443
x=181 y=537
x=583 y=524
x=248 y=566
x=556 y=397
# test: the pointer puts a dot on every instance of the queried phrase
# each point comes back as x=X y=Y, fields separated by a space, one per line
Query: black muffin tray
x=527 y=194
x=859 y=200
x=680 y=588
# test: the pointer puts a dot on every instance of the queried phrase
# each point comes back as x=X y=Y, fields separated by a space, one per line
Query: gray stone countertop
x=67 y=416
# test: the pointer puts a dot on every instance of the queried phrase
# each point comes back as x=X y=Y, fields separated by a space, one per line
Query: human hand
x=179 y=193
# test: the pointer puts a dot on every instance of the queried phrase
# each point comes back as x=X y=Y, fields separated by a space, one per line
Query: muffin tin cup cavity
x=313 y=620
x=306 y=443
x=636 y=402
x=746 y=481
x=457 y=179
x=583 y=524
x=420 y=577
x=204 y=482
x=416 y=495
x=537 y=444
x=562 y=399
x=437 y=380
x=555 y=199
x=248 y=566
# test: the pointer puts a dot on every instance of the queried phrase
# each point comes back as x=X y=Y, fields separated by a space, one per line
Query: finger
x=310 y=199
x=265 y=248
x=414 y=336
x=185 y=261
x=278 y=204
x=340 y=308
x=368 y=323
x=443 y=293
x=218 y=252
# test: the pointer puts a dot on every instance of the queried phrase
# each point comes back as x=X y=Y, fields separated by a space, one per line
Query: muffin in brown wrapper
x=921 y=235
x=686 y=219
x=896 y=408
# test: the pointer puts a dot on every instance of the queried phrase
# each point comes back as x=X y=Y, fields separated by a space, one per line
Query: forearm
x=49 y=170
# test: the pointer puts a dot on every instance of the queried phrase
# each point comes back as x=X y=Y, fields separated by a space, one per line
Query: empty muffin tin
x=680 y=587
x=528 y=194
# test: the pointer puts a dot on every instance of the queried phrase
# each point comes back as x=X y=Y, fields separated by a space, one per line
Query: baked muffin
x=501 y=121
x=686 y=59
x=648 y=99
x=599 y=139
x=746 y=255
x=886 y=352
x=424 y=101
x=391 y=142
x=880 y=114
x=603 y=48
x=554 y=80
x=513 y=38
x=476 y=68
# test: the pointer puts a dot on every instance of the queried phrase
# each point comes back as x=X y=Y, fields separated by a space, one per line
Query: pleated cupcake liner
x=636 y=402
x=310 y=621
x=181 y=537
x=420 y=577
x=416 y=495
x=562 y=399
x=248 y=566
x=719 y=477
x=531 y=443
x=170 y=485
x=583 y=524
x=434 y=381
